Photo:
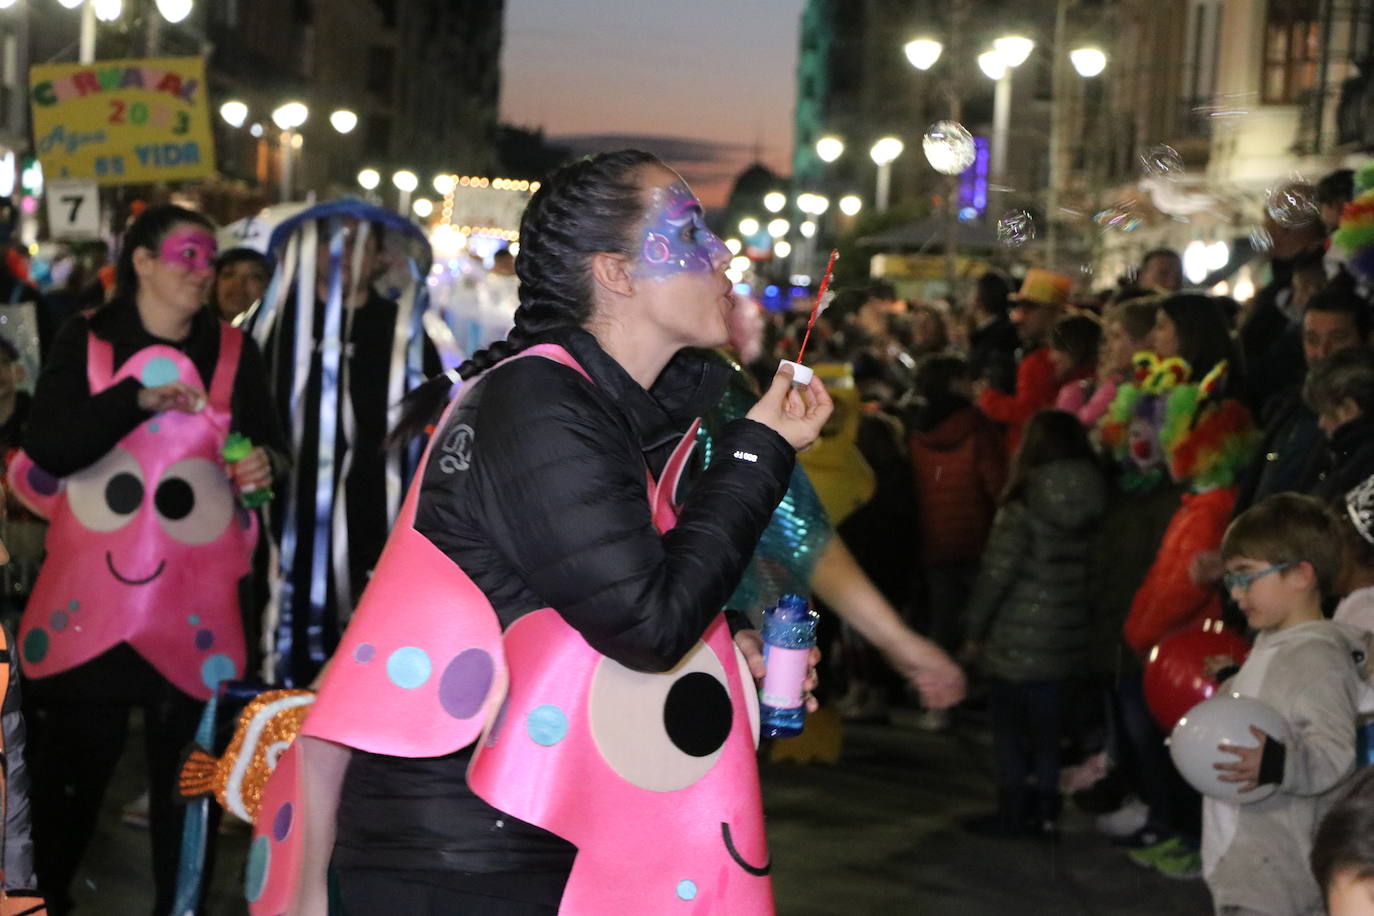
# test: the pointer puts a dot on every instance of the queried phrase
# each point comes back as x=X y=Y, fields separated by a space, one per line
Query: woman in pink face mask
x=137 y=604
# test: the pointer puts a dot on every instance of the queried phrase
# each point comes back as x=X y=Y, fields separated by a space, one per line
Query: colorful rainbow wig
x=1355 y=235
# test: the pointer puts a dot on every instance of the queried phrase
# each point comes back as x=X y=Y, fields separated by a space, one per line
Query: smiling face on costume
x=682 y=264
x=178 y=275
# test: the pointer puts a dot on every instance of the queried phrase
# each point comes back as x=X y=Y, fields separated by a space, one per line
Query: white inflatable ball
x=1224 y=719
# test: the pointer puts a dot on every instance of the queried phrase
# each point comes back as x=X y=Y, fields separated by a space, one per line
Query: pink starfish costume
x=652 y=776
x=147 y=545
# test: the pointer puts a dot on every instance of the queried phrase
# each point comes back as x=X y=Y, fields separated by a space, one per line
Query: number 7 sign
x=74 y=209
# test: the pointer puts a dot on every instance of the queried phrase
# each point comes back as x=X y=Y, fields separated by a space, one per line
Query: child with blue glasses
x=1281 y=557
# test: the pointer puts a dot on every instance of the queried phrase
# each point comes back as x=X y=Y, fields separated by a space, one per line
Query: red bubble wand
x=820 y=302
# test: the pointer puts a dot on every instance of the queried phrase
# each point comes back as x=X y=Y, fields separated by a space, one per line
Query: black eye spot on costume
x=123 y=493
x=697 y=714
x=175 y=499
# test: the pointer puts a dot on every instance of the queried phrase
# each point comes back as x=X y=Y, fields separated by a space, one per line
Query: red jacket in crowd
x=960 y=469
x=1036 y=389
x=1168 y=598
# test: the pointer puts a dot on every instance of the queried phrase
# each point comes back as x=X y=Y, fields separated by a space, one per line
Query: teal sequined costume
x=799 y=530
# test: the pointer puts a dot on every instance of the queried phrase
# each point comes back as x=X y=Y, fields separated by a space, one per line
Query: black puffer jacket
x=1032 y=606
x=537 y=489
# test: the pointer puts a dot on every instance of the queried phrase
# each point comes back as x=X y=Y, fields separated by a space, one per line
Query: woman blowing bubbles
x=547 y=526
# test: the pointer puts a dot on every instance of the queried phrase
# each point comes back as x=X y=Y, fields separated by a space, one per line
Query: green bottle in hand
x=236 y=448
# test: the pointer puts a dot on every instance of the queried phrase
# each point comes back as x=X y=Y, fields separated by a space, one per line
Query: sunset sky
x=702 y=83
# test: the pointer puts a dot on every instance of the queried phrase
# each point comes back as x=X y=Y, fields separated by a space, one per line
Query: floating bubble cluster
x=949 y=147
x=1119 y=217
x=1162 y=161
x=1015 y=228
x=1293 y=204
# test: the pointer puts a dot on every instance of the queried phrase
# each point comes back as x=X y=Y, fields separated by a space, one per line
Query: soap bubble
x=949 y=147
x=1162 y=161
x=1120 y=217
x=1015 y=228
x=1293 y=204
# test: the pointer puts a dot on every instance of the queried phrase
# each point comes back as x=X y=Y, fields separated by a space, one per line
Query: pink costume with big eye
x=147 y=545
x=652 y=776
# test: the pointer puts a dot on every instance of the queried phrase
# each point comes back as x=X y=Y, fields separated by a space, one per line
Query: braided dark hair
x=584 y=208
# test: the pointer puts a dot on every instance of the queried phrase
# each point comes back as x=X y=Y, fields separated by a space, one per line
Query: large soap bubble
x=1122 y=216
x=1293 y=204
x=949 y=147
x=1162 y=161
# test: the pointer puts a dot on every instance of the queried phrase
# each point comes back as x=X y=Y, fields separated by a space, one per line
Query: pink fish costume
x=652 y=776
x=147 y=545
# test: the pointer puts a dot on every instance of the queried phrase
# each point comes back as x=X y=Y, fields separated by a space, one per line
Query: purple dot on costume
x=244 y=516
x=547 y=725
x=204 y=639
x=218 y=668
x=193 y=620
x=42 y=483
x=363 y=654
x=58 y=620
x=409 y=667
x=160 y=370
x=281 y=824
x=465 y=683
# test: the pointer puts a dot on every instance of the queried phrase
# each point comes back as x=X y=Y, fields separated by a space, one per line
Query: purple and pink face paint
x=676 y=239
x=191 y=249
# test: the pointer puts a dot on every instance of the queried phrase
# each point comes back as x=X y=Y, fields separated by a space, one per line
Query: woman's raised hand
x=797 y=414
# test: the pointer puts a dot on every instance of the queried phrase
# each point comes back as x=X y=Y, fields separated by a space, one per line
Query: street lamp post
x=883 y=153
x=289 y=117
x=1006 y=55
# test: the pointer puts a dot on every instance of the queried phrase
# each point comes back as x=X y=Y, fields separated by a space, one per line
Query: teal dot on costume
x=36 y=645
x=73 y=605
x=159 y=371
x=194 y=620
x=408 y=667
x=255 y=875
x=547 y=725
x=152 y=427
x=686 y=890
x=218 y=668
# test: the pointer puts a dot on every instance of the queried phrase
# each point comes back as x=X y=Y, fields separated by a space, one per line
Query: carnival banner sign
x=123 y=121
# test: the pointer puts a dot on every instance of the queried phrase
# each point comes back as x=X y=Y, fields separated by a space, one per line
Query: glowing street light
x=734 y=246
x=290 y=116
x=423 y=207
x=807 y=229
x=234 y=112
x=851 y=204
x=1014 y=49
x=444 y=185
x=107 y=10
x=993 y=65
x=774 y=201
x=782 y=248
x=343 y=120
x=174 y=10
x=778 y=228
x=71 y=4
x=829 y=148
x=923 y=52
x=748 y=226
x=369 y=179
x=883 y=153
x=406 y=182
x=1089 y=62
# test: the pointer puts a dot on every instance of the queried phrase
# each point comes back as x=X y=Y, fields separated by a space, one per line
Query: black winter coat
x=537 y=489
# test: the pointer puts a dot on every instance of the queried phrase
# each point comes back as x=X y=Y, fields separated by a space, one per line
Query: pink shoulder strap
x=99 y=362
x=227 y=366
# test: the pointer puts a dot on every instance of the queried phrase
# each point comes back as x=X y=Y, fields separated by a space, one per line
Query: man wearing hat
x=1034 y=310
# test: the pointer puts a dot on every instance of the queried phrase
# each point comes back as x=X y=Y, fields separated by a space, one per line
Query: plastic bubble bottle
x=789 y=633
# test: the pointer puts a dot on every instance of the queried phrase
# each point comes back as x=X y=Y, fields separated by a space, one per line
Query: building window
x=1292 y=45
x=377 y=139
x=381 y=61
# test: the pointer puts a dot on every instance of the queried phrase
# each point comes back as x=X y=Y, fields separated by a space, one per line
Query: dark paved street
x=876 y=835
